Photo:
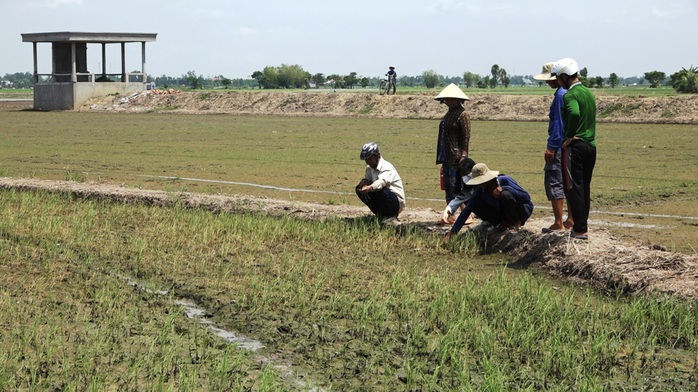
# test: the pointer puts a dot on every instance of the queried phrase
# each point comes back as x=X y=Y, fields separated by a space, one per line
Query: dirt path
x=602 y=262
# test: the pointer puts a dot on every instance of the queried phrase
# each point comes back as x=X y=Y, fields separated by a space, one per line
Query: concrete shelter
x=70 y=83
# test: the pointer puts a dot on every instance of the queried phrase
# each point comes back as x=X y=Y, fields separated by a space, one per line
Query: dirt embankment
x=602 y=262
x=643 y=109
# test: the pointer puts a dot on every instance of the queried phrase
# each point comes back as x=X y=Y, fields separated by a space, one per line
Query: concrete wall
x=68 y=96
x=85 y=91
x=53 y=96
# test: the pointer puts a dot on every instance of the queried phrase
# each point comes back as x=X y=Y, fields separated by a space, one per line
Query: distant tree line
x=294 y=76
x=17 y=80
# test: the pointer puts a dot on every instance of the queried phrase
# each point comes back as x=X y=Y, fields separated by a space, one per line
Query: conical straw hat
x=452 y=91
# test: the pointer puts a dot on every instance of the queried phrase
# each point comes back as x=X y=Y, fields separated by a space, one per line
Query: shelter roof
x=86 y=37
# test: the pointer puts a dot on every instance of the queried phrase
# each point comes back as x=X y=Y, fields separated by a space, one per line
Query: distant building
x=70 y=83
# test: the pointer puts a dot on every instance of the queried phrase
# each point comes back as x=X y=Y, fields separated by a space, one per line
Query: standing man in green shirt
x=579 y=146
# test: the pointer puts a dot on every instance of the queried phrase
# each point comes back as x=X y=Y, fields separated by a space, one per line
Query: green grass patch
x=351 y=304
x=320 y=153
x=16 y=93
x=668 y=114
x=618 y=107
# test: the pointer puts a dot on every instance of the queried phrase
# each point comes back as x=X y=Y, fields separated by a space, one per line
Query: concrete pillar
x=123 y=62
x=145 y=75
x=36 y=64
x=104 y=60
x=54 y=62
x=74 y=70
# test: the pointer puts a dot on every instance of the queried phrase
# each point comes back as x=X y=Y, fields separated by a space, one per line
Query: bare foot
x=568 y=224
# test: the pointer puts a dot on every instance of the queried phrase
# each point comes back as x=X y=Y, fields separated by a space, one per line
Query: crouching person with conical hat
x=381 y=188
x=497 y=199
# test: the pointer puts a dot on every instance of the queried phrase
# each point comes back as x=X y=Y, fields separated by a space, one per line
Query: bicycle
x=385 y=85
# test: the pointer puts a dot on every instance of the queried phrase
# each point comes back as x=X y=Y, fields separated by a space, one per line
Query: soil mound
x=643 y=109
x=602 y=262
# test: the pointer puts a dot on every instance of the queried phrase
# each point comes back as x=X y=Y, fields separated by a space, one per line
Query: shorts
x=554 y=187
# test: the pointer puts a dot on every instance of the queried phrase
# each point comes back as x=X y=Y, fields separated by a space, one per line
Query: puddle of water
x=193 y=311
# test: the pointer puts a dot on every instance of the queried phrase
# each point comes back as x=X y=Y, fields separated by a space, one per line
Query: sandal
x=578 y=236
x=550 y=229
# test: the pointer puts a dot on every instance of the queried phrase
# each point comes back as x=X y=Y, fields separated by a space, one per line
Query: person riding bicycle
x=392 y=77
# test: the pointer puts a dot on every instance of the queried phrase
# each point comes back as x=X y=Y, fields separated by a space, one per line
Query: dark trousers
x=577 y=168
x=453 y=182
x=383 y=203
x=507 y=210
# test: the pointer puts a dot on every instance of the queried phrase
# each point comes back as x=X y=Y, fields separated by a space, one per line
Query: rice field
x=342 y=305
x=92 y=290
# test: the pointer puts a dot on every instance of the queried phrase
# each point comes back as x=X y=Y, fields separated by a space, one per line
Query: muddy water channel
x=506 y=325
x=194 y=311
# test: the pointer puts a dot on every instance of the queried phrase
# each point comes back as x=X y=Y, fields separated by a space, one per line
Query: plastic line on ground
x=276 y=188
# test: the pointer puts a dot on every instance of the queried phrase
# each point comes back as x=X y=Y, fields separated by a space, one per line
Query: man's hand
x=364 y=186
x=497 y=191
x=447 y=217
x=549 y=156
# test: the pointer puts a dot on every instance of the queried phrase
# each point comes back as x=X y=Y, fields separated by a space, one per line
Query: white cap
x=565 y=66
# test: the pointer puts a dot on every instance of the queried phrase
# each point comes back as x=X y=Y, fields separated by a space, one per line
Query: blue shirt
x=481 y=199
x=556 y=127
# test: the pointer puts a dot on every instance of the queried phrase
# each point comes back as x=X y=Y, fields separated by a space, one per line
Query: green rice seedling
x=466 y=243
x=357 y=304
x=75 y=176
x=269 y=380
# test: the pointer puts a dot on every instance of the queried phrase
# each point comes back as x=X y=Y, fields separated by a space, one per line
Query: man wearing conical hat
x=453 y=140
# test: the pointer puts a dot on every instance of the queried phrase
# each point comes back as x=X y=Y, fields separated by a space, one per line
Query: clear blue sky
x=236 y=38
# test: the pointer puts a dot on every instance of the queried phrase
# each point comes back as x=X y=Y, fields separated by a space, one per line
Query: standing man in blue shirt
x=554 y=188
